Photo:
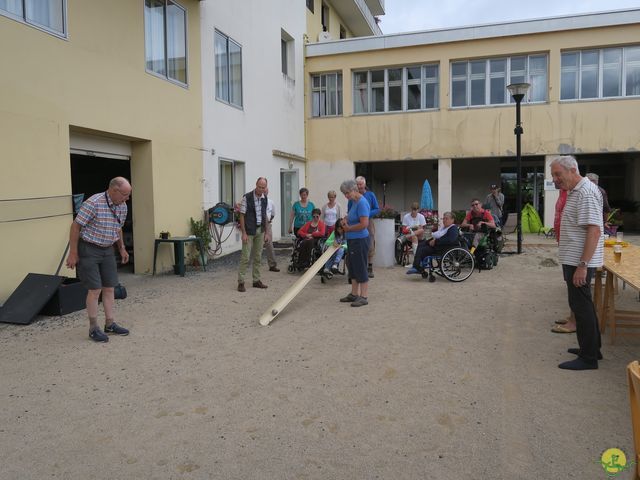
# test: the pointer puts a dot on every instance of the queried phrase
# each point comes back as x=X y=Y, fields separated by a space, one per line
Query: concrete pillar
x=444 y=185
x=550 y=195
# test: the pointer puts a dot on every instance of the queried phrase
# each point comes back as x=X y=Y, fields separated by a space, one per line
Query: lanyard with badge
x=113 y=212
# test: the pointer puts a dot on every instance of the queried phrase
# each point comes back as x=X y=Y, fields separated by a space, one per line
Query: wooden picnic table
x=628 y=270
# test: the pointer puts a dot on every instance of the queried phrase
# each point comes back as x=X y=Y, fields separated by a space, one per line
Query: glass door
x=288 y=195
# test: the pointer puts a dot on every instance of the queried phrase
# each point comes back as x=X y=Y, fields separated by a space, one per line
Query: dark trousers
x=423 y=250
x=581 y=304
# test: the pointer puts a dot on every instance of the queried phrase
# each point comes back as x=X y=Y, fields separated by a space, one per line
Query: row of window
x=585 y=74
x=49 y=15
x=603 y=73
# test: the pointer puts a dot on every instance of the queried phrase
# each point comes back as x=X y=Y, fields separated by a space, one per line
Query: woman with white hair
x=355 y=227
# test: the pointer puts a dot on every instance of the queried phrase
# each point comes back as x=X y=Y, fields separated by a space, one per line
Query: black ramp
x=28 y=299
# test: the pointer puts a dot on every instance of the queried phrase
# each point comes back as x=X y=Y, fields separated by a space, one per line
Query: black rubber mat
x=28 y=299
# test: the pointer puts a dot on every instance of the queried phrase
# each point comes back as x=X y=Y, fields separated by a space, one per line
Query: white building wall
x=272 y=115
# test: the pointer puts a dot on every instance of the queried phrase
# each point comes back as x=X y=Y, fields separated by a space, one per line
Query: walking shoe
x=349 y=298
x=326 y=271
x=241 y=287
x=579 y=364
x=274 y=269
x=335 y=269
x=576 y=351
x=98 y=335
x=359 y=302
x=412 y=271
x=115 y=329
x=259 y=284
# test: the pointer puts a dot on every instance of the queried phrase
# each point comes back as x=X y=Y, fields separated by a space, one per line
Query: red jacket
x=307 y=228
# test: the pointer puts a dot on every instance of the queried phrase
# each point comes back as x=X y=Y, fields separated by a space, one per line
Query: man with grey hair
x=606 y=208
x=580 y=253
x=94 y=231
x=361 y=182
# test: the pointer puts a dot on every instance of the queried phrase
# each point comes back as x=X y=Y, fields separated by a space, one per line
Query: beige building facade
x=89 y=91
x=433 y=105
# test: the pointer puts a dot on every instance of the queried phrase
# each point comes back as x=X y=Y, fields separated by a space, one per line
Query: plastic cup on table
x=617 y=253
x=619 y=237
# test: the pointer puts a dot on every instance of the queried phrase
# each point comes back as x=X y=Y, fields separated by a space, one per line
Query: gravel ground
x=429 y=381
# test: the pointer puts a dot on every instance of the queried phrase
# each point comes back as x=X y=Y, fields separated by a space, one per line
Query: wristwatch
x=582 y=263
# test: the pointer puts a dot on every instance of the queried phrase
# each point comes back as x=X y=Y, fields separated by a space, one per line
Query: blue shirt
x=373 y=203
x=357 y=210
x=302 y=215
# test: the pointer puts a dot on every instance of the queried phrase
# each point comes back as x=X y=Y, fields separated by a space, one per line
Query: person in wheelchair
x=413 y=227
x=309 y=236
x=478 y=221
x=337 y=237
x=445 y=237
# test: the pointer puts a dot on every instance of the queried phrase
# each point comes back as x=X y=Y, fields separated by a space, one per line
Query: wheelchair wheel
x=399 y=252
x=457 y=265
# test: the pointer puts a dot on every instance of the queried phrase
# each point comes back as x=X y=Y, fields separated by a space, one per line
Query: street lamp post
x=518 y=92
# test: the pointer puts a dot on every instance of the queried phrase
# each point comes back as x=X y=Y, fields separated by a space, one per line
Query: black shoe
x=579 y=364
x=335 y=269
x=349 y=298
x=116 y=329
x=576 y=351
x=274 y=269
x=98 y=335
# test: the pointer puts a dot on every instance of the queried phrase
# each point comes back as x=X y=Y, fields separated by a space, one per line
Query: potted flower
x=431 y=217
x=613 y=222
x=201 y=230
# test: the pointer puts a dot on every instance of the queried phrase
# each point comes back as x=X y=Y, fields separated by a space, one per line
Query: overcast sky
x=412 y=15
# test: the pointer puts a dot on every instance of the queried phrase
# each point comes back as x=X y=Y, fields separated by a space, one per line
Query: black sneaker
x=116 y=329
x=359 y=302
x=335 y=269
x=98 y=335
x=349 y=298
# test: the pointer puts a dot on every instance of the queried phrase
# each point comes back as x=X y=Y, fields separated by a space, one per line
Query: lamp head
x=518 y=90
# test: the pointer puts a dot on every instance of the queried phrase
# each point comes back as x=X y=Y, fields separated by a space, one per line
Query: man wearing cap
x=495 y=203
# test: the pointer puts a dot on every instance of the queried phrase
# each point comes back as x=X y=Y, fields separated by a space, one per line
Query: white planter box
x=385 y=242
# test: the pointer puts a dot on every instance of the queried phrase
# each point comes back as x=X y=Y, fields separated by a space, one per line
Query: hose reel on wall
x=218 y=217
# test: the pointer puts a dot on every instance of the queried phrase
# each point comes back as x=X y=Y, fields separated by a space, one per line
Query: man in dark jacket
x=253 y=225
x=447 y=236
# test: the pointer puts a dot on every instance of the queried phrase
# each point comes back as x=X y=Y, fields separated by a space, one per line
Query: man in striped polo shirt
x=580 y=252
x=96 y=228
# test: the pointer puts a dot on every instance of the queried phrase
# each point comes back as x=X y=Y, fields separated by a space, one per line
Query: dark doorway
x=90 y=175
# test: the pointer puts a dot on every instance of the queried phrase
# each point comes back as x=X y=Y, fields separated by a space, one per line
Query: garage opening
x=91 y=173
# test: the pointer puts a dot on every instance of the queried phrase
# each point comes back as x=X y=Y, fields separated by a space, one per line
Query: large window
x=228 y=56
x=48 y=15
x=231 y=181
x=484 y=81
x=165 y=32
x=600 y=73
x=396 y=89
x=326 y=95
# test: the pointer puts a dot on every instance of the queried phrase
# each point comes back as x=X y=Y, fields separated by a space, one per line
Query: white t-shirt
x=583 y=208
x=330 y=215
x=418 y=221
x=271 y=209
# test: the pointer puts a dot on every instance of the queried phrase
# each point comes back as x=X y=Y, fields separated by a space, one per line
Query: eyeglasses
x=474 y=204
x=314 y=216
